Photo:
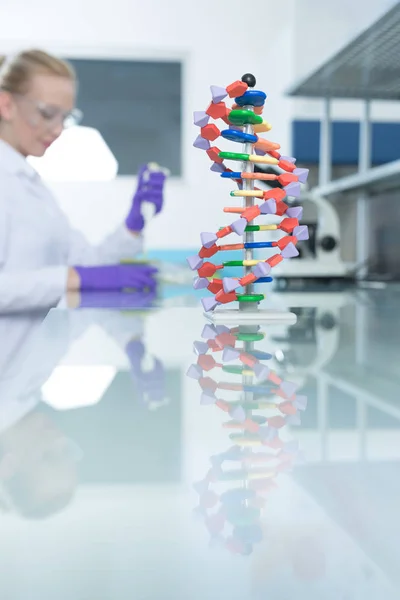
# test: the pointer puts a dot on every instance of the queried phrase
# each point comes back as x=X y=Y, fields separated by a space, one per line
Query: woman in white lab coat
x=41 y=257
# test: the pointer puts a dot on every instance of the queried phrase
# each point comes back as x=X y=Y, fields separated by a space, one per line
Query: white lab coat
x=37 y=243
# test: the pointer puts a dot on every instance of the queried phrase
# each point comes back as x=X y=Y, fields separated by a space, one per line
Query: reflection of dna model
x=261 y=447
x=245 y=122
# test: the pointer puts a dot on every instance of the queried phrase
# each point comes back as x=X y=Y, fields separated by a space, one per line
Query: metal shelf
x=367 y=68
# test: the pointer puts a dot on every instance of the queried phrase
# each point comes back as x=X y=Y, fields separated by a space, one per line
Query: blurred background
x=144 y=67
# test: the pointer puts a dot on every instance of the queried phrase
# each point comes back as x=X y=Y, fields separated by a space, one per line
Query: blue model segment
x=257 y=389
x=231 y=175
x=233 y=135
x=263 y=280
x=259 y=355
x=258 y=245
x=251 y=98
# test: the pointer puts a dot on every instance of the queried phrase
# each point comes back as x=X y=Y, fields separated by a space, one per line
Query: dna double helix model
x=244 y=124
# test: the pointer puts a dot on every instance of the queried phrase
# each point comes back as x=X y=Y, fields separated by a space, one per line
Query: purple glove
x=151 y=180
x=117 y=277
x=118 y=300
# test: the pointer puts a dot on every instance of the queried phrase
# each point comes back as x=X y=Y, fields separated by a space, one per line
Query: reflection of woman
x=38 y=458
x=41 y=257
x=38 y=462
x=38 y=470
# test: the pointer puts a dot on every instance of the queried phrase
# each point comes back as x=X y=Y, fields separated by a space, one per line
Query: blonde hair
x=16 y=71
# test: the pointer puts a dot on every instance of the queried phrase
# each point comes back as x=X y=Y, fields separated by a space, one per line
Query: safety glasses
x=37 y=113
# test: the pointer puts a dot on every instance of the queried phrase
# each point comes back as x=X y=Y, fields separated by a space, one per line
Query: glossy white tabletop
x=123 y=477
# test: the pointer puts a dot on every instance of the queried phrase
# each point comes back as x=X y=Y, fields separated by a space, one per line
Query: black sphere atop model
x=249 y=79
